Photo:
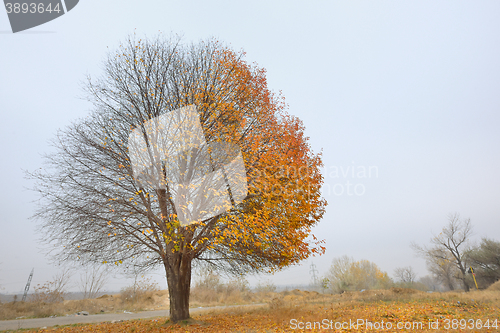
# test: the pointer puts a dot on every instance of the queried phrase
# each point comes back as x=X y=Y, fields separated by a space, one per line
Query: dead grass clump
x=18 y=309
x=41 y=309
x=211 y=290
x=105 y=296
x=292 y=299
x=140 y=295
x=495 y=286
x=265 y=287
x=45 y=294
x=51 y=291
x=295 y=298
x=92 y=306
x=208 y=297
x=293 y=292
x=277 y=303
x=106 y=303
x=403 y=291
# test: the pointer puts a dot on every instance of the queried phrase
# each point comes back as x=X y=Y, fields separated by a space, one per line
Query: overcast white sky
x=409 y=88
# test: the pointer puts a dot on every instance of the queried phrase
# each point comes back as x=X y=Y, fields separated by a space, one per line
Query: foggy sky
x=407 y=91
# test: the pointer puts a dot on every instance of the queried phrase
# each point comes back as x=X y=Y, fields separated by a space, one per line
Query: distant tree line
x=453 y=261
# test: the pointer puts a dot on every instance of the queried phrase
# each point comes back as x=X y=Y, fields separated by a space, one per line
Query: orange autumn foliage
x=272 y=228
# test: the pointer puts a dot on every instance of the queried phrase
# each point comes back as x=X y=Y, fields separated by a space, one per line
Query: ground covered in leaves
x=371 y=311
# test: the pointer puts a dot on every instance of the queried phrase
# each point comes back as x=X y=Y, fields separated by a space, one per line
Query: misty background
x=407 y=91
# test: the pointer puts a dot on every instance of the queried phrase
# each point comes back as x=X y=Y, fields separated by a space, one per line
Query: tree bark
x=450 y=284
x=463 y=270
x=179 y=286
x=466 y=285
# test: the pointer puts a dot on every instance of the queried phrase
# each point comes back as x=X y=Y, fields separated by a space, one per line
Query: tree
x=405 y=275
x=339 y=274
x=96 y=207
x=446 y=257
x=324 y=284
x=485 y=260
x=367 y=275
x=347 y=274
x=430 y=282
x=441 y=266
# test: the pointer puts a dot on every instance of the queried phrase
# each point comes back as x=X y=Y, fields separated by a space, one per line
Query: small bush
x=495 y=286
x=211 y=281
x=210 y=289
x=345 y=274
x=141 y=291
x=52 y=291
x=46 y=294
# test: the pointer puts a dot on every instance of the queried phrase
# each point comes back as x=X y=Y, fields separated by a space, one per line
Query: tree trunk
x=464 y=278
x=466 y=285
x=450 y=284
x=449 y=281
x=179 y=287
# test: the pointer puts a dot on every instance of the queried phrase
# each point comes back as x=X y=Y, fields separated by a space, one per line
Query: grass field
x=391 y=310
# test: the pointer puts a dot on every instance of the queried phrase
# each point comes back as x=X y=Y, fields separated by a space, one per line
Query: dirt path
x=98 y=318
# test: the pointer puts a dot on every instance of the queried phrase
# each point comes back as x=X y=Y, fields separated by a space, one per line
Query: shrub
x=52 y=291
x=346 y=274
x=210 y=288
x=266 y=286
x=46 y=293
x=141 y=290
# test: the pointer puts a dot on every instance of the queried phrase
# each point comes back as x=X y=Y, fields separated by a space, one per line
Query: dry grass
x=285 y=302
x=495 y=286
x=203 y=297
x=298 y=297
x=107 y=303
x=394 y=305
